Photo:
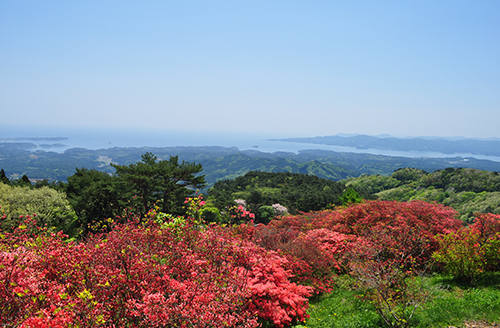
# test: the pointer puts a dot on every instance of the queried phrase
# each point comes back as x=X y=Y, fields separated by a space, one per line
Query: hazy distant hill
x=488 y=147
x=221 y=162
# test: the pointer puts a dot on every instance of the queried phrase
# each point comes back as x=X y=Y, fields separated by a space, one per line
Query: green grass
x=342 y=308
x=453 y=304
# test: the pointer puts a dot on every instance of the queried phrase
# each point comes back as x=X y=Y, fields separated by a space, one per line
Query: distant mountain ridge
x=456 y=145
x=222 y=162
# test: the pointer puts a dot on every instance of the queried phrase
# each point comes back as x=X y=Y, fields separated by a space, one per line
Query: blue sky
x=292 y=68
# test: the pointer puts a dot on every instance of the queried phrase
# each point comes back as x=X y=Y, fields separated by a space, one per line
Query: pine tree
x=3 y=177
x=166 y=182
x=26 y=180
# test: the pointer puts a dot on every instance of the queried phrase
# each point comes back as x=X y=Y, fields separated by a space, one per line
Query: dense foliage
x=144 y=274
x=469 y=191
x=164 y=182
x=164 y=270
x=296 y=192
x=152 y=256
x=50 y=206
x=96 y=195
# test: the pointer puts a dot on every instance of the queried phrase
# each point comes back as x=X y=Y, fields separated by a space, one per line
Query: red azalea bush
x=314 y=256
x=359 y=218
x=153 y=273
x=144 y=275
x=402 y=235
x=23 y=288
x=273 y=296
x=317 y=257
x=394 y=247
x=134 y=276
x=316 y=244
x=308 y=258
x=486 y=224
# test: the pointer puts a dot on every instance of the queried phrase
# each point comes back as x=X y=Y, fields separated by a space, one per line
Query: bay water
x=103 y=138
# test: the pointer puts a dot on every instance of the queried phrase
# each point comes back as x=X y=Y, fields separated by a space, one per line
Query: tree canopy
x=162 y=182
x=50 y=206
x=295 y=191
x=98 y=196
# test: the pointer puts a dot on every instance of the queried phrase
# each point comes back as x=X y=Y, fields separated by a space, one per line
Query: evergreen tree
x=23 y=182
x=350 y=196
x=166 y=182
x=26 y=180
x=96 y=196
x=3 y=177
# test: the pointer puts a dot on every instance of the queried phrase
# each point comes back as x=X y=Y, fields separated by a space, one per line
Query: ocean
x=102 y=138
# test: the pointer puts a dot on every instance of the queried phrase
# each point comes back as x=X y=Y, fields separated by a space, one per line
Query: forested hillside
x=296 y=192
x=469 y=191
x=219 y=162
x=465 y=184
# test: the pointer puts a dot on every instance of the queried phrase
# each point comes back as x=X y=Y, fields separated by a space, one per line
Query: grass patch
x=460 y=302
x=342 y=308
x=452 y=305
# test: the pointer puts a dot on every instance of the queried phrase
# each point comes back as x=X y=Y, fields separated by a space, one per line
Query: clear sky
x=296 y=68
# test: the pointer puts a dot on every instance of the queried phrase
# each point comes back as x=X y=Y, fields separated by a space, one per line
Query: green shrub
x=466 y=255
x=51 y=207
x=265 y=214
x=210 y=214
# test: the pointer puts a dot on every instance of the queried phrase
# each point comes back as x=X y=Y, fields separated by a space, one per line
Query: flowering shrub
x=486 y=224
x=313 y=257
x=317 y=243
x=274 y=297
x=23 y=289
x=317 y=256
x=144 y=274
x=238 y=214
x=279 y=209
x=160 y=270
x=359 y=218
x=302 y=222
x=193 y=206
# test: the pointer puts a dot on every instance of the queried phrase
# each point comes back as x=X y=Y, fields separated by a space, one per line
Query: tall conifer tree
x=3 y=177
x=167 y=182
